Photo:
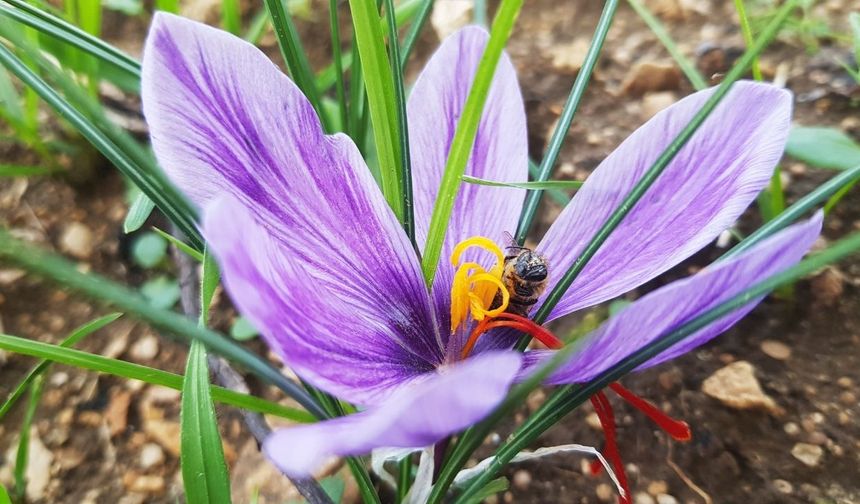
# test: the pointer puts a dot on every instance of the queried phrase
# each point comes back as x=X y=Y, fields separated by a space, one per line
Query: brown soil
x=95 y=429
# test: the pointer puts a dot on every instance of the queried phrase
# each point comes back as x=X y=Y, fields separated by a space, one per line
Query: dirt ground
x=100 y=439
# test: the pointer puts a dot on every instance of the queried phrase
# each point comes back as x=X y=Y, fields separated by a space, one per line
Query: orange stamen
x=678 y=429
x=514 y=321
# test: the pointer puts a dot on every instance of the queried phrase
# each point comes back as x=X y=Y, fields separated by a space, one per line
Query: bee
x=525 y=276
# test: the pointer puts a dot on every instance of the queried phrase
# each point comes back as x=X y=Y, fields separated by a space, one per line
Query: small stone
x=143 y=483
x=817 y=438
x=535 y=399
x=828 y=286
x=144 y=349
x=848 y=398
x=116 y=413
x=809 y=454
x=605 y=492
x=593 y=421
x=651 y=77
x=570 y=56
x=666 y=499
x=657 y=487
x=165 y=433
x=791 y=428
x=151 y=455
x=655 y=102
x=737 y=387
x=776 y=349
x=449 y=16
x=522 y=479
x=782 y=486
x=845 y=382
x=643 y=498
x=77 y=240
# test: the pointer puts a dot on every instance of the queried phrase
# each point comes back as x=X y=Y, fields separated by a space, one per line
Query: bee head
x=531 y=267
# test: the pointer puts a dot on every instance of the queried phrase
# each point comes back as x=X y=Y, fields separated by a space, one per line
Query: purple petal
x=419 y=414
x=700 y=194
x=500 y=151
x=356 y=346
x=671 y=306
x=226 y=121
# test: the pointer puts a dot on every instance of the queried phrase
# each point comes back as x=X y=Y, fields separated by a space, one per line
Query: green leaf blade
x=204 y=471
x=823 y=147
x=139 y=211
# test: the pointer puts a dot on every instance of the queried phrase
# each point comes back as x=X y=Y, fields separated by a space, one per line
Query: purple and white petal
x=358 y=347
x=226 y=121
x=500 y=151
x=701 y=193
x=671 y=306
x=419 y=414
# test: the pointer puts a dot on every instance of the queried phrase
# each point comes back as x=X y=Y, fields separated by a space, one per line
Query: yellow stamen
x=473 y=288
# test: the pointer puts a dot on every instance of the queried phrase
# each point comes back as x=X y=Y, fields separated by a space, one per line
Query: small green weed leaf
x=242 y=330
x=149 y=249
x=823 y=147
x=204 y=472
x=334 y=487
x=127 y=7
x=162 y=292
x=139 y=211
x=181 y=245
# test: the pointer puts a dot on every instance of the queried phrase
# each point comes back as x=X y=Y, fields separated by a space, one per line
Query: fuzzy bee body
x=525 y=276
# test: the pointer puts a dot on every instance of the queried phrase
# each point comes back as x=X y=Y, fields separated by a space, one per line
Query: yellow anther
x=473 y=288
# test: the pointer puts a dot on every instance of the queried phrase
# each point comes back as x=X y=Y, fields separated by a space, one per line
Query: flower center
x=474 y=288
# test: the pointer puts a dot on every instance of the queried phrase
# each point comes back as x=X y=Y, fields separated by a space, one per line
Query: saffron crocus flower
x=314 y=257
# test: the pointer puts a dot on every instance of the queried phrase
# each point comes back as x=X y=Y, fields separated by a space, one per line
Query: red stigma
x=513 y=321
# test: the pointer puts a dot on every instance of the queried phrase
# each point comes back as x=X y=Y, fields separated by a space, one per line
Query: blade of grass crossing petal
x=381 y=100
x=231 y=18
x=23 y=453
x=821 y=193
x=659 y=165
x=204 y=472
x=55 y=27
x=402 y=127
x=660 y=32
x=569 y=397
x=535 y=186
x=577 y=91
x=63 y=272
x=72 y=339
x=337 y=56
x=294 y=54
x=748 y=36
x=152 y=376
x=558 y=196
x=172 y=207
x=464 y=135
x=139 y=211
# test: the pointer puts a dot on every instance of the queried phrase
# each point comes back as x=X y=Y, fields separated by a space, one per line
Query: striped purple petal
x=669 y=307
x=701 y=193
x=306 y=238
x=500 y=151
x=417 y=415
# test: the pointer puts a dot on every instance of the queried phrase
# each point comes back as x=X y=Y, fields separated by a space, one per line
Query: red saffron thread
x=678 y=429
x=610 y=450
x=511 y=320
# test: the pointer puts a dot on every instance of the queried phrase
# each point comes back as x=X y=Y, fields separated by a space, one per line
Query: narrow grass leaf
x=72 y=339
x=558 y=196
x=140 y=210
x=12 y=170
x=65 y=273
x=22 y=455
x=823 y=147
x=464 y=136
x=204 y=472
x=231 y=18
x=181 y=245
x=534 y=186
x=171 y=6
x=663 y=36
x=4 y=495
x=577 y=91
x=748 y=36
x=152 y=376
x=294 y=54
x=381 y=99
